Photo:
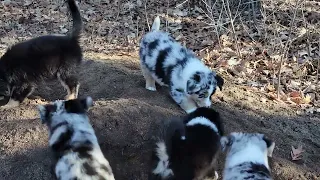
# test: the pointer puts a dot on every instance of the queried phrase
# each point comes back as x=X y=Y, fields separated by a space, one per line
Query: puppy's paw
x=190 y=110
x=206 y=103
x=70 y=97
x=216 y=175
x=151 y=88
x=11 y=104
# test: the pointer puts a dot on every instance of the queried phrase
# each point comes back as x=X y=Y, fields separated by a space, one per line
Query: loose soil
x=126 y=115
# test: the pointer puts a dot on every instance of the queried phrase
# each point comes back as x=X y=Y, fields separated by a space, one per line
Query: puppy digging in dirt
x=73 y=142
x=187 y=149
x=43 y=58
x=247 y=156
x=166 y=62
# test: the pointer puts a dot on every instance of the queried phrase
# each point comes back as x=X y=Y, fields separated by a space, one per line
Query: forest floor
x=126 y=115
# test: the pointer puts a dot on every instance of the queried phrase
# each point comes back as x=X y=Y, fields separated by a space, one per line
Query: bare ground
x=125 y=116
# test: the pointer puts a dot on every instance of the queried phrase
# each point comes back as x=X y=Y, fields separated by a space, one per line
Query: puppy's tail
x=156 y=24
x=76 y=18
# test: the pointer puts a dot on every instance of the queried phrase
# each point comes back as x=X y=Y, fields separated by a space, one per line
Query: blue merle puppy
x=247 y=156
x=187 y=149
x=26 y=64
x=73 y=141
x=165 y=61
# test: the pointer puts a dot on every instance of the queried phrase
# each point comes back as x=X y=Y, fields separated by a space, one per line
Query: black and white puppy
x=73 y=141
x=186 y=149
x=27 y=63
x=247 y=156
x=167 y=62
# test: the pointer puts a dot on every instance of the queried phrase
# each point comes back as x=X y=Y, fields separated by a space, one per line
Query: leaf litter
x=296 y=154
x=116 y=26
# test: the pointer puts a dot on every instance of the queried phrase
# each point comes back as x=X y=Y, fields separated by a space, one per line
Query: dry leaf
x=271 y=96
x=307 y=99
x=296 y=100
x=263 y=100
x=294 y=94
x=270 y=88
x=233 y=61
x=296 y=153
x=27 y=3
x=178 y=12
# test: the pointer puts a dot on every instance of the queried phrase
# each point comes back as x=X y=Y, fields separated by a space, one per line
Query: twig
x=137 y=30
x=119 y=9
x=275 y=34
x=318 y=68
x=254 y=12
x=232 y=25
x=286 y=48
x=167 y=15
x=145 y=10
x=245 y=29
x=211 y=17
x=181 y=3
x=306 y=26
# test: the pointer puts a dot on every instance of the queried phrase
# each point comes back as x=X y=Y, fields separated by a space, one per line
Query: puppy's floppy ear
x=87 y=102
x=45 y=111
x=194 y=80
x=226 y=141
x=198 y=76
x=220 y=81
x=270 y=145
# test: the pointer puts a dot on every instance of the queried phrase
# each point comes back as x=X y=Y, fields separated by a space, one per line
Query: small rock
x=250 y=99
x=263 y=100
x=299 y=112
x=310 y=110
x=139 y=3
x=263 y=79
x=312 y=96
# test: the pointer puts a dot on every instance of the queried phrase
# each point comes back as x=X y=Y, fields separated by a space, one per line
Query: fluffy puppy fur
x=247 y=156
x=73 y=141
x=186 y=149
x=165 y=61
x=39 y=59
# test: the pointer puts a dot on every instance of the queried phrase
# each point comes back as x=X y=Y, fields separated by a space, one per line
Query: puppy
x=40 y=59
x=166 y=62
x=247 y=156
x=186 y=149
x=73 y=141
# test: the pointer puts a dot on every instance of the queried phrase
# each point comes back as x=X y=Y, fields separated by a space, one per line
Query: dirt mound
x=125 y=117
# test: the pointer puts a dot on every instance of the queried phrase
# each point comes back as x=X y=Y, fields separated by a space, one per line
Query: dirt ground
x=125 y=116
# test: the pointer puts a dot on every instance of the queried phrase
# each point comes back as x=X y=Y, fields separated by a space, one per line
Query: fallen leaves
x=120 y=25
x=296 y=154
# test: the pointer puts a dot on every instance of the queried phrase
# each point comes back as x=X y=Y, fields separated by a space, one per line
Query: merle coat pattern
x=247 y=156
x=186 y=149
x=48 y=57
x=73 y=142
x=165 y=61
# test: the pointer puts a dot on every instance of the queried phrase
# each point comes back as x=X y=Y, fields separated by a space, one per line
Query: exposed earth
x=126 y=115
